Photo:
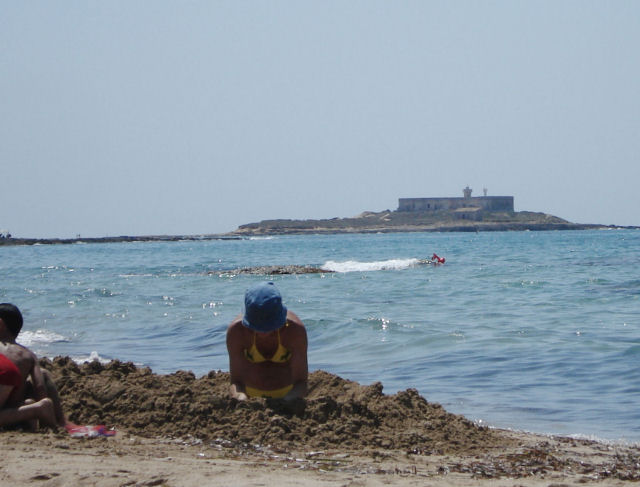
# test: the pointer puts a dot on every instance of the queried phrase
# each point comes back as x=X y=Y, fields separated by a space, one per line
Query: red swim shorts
x=9 y=374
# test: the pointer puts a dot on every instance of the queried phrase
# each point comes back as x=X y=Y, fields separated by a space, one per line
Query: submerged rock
x=276 y=270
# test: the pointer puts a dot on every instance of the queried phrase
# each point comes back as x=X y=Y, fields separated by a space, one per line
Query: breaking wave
x=381 y=265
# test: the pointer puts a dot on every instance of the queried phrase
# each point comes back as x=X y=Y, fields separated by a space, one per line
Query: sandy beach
x=178 y=430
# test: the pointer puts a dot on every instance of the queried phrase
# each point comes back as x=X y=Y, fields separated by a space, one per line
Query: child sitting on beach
x=27 y=393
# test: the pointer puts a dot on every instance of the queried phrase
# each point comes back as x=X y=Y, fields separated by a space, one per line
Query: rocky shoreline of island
x=475 y=227
x=404 y=222
x=367 y=222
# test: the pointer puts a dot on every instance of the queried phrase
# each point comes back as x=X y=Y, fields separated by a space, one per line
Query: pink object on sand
x=77 y=431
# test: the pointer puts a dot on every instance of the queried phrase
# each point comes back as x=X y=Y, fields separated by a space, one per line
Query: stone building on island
x=466 y=208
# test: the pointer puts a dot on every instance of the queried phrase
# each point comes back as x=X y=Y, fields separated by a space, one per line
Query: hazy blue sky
x=184 y=117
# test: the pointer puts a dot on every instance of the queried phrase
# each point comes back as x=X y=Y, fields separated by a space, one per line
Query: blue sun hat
x=263 y=308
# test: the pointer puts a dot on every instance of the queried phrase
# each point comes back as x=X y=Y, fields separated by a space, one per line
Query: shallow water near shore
x=527 y=330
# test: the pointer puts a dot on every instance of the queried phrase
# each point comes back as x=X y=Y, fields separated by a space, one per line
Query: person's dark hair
x=12 y=317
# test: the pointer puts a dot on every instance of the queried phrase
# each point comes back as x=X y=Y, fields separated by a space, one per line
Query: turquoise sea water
x=537 y=331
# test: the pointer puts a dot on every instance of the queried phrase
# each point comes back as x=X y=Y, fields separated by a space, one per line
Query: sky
x=194 y=117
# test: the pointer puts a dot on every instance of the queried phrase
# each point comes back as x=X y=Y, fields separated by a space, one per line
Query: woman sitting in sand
x=267 y=348
x=19 y=371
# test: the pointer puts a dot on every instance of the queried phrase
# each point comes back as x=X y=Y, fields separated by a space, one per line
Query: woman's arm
x=299 y=363
x=236 y=365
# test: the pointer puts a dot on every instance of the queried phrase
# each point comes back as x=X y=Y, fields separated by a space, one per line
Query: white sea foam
x=93 y=356
x=357 y=266
x=606 y=441
x=40 y=337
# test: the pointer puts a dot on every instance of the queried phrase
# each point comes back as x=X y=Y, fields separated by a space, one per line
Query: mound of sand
x=184 y=431
x=337 y=413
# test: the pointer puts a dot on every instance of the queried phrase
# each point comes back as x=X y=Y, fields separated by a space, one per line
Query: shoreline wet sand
x=180 y=430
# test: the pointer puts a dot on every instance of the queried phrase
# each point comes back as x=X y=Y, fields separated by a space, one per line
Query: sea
x=533 y=331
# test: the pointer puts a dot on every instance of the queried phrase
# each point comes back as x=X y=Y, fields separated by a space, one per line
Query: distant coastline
x=367 y=222
x=122 y=238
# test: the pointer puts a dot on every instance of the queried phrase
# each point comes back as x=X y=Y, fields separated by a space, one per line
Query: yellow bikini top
x=254 y=356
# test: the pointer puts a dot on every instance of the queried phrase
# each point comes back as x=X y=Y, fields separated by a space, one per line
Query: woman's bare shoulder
x=236 y=325
x=296 y=329
x=294 y=319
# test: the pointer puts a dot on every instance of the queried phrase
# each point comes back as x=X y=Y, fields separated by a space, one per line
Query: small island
x=449 y=214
